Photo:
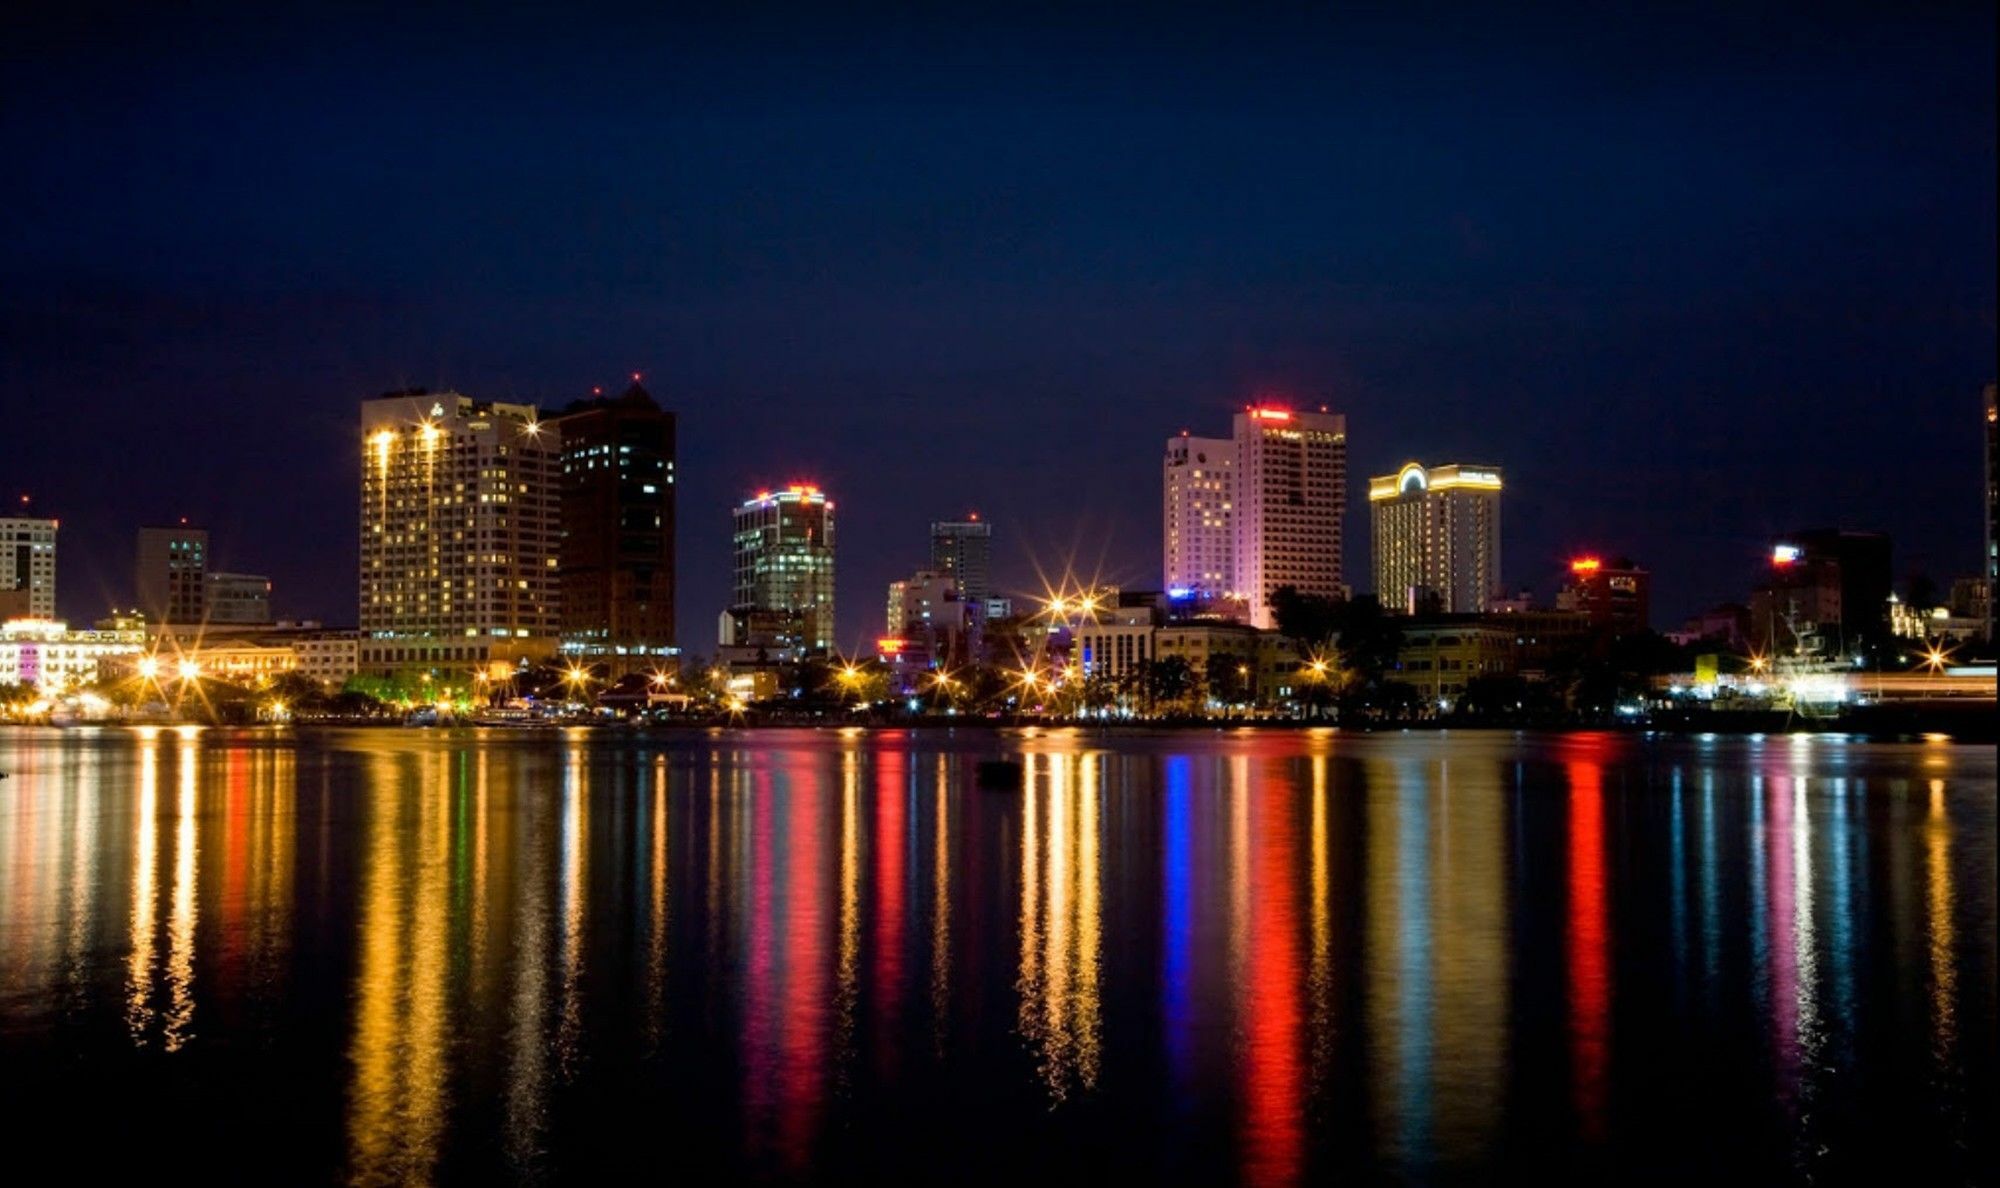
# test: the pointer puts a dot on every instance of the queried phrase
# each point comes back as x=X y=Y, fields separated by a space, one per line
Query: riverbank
x=1957 y=723
x=1963 y=721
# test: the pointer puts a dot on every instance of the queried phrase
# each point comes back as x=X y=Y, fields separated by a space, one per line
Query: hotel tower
x=1437 y=538
x=459 y=533
x=1265 y=508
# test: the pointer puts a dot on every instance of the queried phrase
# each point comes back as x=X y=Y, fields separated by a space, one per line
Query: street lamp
x=577 y=678
x=849 y=677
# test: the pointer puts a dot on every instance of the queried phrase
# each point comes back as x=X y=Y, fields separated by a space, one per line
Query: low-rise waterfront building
x=47 y=655
x=1439 y=659
x=1114 y=644
x=1545 y=639
x=249 y=654
x=1932 y=623
x=242 y=661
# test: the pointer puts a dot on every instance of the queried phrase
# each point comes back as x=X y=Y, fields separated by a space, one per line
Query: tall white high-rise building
x=1437 y=537
x=27 y=567
x=1291 y=505
x=1199 y=490
x=459 y=532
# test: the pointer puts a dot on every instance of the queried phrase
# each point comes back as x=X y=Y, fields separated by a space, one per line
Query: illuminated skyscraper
x=1437 y=537
x=1290 y=506
x=459 y=533
x=618 y=529
x=27 y=568
x=1199 y=499
x=784 y=562
x=962 y=550
x=171 y=575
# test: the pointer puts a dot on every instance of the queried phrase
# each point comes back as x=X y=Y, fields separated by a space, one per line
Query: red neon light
x=1271 y=414
x=891 y=647
x=1585 y=565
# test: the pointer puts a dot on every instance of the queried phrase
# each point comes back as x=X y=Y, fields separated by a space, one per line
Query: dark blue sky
x=1692 y=276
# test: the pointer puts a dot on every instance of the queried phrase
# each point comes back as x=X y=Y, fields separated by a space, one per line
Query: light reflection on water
x=1262 y=957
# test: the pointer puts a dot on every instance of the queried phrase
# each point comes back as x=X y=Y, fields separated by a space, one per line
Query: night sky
x=1693 y=278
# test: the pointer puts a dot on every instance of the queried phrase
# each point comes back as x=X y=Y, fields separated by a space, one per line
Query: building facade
x=1972 y=598
x=927 y=608
x=329 y=657
x=962 y=550
x=239 y=598
x=241 y=660
x=1440 y=659
x=27 y=568
x=171 y=573
x=1615 y=595
x=784 y=544
x=1828 y=593
x=1114 y=645
x=1223 y=656
x=1198 y=484
x=459 y=533
x=238 y=652
x=1290 y=507
x=1437 y=538
x=47 y=655
x=617 y=564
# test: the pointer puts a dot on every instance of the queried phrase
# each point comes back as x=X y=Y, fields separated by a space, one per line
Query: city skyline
x=1032 y=575
x=823 y=279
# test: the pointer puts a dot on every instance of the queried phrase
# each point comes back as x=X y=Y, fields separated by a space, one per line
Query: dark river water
x=392 y=956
